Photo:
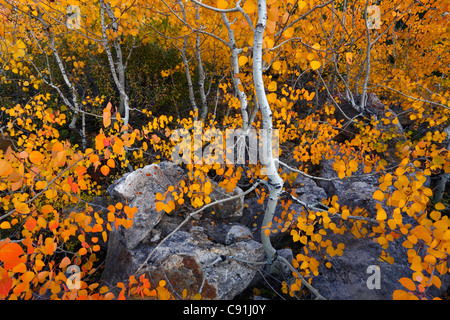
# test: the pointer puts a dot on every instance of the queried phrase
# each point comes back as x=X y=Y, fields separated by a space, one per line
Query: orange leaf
x=109 y=296
x=30 y=224
x=22 y=207
x=401 y=295
x=349 y=57
x=408 y=284
x=111 y=163
x=160 y=206
x=100 y=141
x=64 y=262
x=27 y=276
x=36 y=157
x=53 y=225
x=5 y=286
x=155 y=138
x=107 y=115
x=5 y=168
x=47 y=209
x=105 y=170
x=9 y=254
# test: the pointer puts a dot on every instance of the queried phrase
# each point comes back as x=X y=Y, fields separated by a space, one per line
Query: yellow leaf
x=5 y=225
x=276 y=65
x=301 y=5
x=439 y=206
x=222 y=4
x=378 y=195
x=249 y=7
x=272 y=86
x=289 y=32
x=242 y=60
x=435 y=215
x=272 y=97
x=438 y=160
x=198 y=296
x=315 y=64
x=381 y=214
x=345 y=214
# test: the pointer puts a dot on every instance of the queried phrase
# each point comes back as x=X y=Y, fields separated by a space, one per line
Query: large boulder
x=229 y=210
x=185 y=260
x=139 y=189
x=351 y=276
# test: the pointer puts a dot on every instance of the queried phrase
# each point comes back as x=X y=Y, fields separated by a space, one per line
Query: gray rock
x=359 y=194
x=138 y=189
x=230 y=210
x=186 y=261
x=349 y=276
x=190 y=258
x=307 y=190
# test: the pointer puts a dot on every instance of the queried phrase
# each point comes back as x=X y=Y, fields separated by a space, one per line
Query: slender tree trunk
x=235 y=71
x=275 y=183
x=201 y=71
x=444 y=177
x=118 y=72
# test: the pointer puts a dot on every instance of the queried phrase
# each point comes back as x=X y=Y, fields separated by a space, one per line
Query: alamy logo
x=207 y=146
x=373 y=17
x=374 y=281
x=74 y=277
x=73 y=17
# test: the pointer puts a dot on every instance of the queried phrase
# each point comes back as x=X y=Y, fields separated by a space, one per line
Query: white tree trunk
x=119 y=72
x=275 y=183
x=235 y=71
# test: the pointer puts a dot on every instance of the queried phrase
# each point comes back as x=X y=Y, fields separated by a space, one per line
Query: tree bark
x=275 y=183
